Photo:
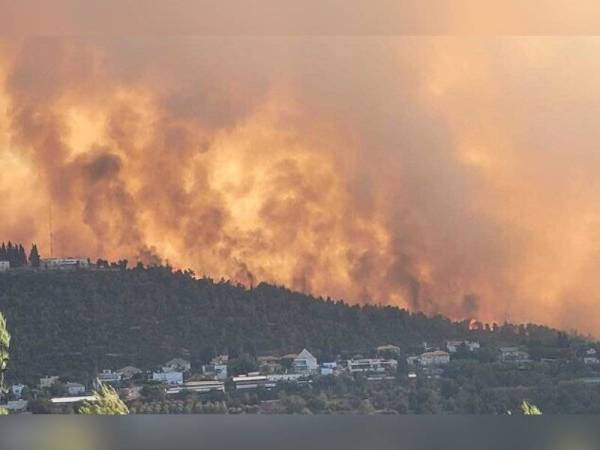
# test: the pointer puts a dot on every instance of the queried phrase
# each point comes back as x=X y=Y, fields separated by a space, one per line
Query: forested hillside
x=82 y=321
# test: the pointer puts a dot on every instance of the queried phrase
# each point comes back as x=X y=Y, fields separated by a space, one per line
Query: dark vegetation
x=75 y=323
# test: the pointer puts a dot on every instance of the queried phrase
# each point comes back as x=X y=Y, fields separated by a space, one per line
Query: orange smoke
x=426 y=173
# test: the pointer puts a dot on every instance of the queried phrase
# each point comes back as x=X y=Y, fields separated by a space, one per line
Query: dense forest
x=78 y=322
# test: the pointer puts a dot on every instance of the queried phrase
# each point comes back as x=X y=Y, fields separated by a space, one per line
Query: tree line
x=17 y=257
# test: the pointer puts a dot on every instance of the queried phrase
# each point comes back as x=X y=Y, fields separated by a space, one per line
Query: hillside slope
x=82 y=321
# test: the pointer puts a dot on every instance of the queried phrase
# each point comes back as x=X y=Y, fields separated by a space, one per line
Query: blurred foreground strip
x=299 y=432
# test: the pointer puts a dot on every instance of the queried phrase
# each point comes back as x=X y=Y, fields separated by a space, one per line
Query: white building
x=305 y=363
x=128 y=372
x=284 y=377
x=4 y=266
x=47 y=382
x=376 y=365
x=75 y=389
x=69 y=263
x=591 y=361
x=454 y=346
x=177 y=365
x=199 y=387
x=435 y=358
x=108 y=376
x=171 y=378
x=252 y=381
x=513 y=354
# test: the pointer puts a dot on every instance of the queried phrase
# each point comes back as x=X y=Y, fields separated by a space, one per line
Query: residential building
x=17 y=390
x=284 y=377
x=75 y=389
x=376 y=365
x=128 y=372
x=252 y=381
x=435 y=358
x=513 y=354
x=69 y=263
x=305 y=363
x=591 y=352
x=591 y=361
x=171 y=378
x=217 y=371
x=47 y=382
x=108 y=376
x=328 y=368
x=198 y=387
x=177 y=365
x=454 y=346
x=4 y=266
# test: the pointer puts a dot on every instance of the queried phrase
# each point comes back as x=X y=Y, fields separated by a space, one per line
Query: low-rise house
x=252 y=381
x=70 y=263
x=17 y=390
x=217 y=368
x=128 y=372
x=454 y=346
x=74 y=389
x=305 y=363
x=372 y=365
x=591 y=361
x=108 y=376
x=177 y=365
x=591 y=352
x=47 y=382
x=435 y=358
x=200 y=387
x=171 y=378
x=513 y=354
x=284 y=377
x=328 y=368
x=4 y=266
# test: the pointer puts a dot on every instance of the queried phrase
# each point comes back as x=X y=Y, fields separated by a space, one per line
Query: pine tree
x=34 y=256
x=3 y=254
x=106 y=402
x=21 y=256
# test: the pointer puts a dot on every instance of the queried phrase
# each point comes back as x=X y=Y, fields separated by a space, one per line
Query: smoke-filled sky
x=453 y=175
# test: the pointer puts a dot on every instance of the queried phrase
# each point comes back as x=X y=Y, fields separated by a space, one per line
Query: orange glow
x=438 y=174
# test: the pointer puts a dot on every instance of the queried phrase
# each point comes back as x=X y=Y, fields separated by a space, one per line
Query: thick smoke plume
x=439 y=174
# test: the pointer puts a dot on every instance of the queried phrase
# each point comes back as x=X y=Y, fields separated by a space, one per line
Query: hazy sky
x=406 y=170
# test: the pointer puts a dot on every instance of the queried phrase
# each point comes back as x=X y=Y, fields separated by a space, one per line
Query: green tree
x=530 y=410
x=106 y=402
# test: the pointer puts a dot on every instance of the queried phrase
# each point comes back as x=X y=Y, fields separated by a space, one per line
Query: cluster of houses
x=176 y=375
